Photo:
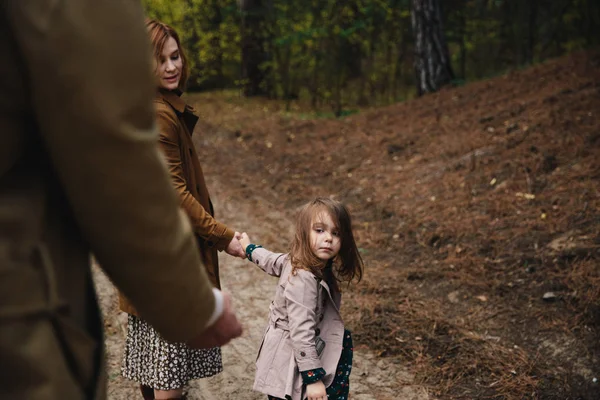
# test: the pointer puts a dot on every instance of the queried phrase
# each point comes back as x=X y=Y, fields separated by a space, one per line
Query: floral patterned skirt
x=340 y=387
x=152 y=361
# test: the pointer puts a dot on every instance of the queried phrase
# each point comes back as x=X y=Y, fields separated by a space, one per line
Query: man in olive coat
x=80 y=172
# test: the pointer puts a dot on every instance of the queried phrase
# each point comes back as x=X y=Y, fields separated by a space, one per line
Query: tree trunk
x=462 y=34
x=253 y=54
x=531 y=32
x=432 y=59
x=216 y=44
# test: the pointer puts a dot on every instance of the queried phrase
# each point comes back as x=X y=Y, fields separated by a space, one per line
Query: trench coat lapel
x=185 y=110
x=323 y=283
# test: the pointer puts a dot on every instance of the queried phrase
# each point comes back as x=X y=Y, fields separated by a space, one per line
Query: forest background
x=339 y=55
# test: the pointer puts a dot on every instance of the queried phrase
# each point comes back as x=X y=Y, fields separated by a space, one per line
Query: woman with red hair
x=163 y=368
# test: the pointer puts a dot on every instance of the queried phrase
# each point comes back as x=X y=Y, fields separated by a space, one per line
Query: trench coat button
x=210 y=243
x=303 y=354
x=317 y=331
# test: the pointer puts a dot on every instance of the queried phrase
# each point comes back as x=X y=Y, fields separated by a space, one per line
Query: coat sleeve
x=271 y=263
x=202 y=222
x=91 y=88
x=301 y=296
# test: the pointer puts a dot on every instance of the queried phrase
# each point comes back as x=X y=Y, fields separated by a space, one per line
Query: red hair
x=159 y=33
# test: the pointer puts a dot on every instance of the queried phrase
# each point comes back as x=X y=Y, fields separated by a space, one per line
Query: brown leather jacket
x=176 y=122
x=81 y=172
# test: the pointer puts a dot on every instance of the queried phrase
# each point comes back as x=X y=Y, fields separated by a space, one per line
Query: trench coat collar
x=173 y=98
x=323 y=283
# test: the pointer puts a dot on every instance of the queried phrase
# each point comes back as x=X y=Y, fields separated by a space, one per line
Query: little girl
x=305 y=352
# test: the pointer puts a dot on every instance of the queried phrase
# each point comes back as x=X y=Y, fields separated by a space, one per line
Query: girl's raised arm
x=271 y=263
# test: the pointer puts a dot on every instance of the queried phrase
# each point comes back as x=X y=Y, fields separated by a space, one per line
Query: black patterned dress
x=340 y=387
x=152 y=361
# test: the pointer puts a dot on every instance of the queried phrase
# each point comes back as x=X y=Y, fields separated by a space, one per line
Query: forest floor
x=477 y=213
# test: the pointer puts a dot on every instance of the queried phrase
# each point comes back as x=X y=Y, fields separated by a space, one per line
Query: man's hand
x=224 y=329
x=316 y=391
x=234 y=248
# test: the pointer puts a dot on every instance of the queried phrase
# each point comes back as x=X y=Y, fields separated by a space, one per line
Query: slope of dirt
x=477 y=212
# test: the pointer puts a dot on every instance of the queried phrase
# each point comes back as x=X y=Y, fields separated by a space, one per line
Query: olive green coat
x=176 y=122
x=80 y=172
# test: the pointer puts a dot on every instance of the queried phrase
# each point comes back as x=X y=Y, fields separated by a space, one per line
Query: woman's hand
x=316 y=391
x=234 y=248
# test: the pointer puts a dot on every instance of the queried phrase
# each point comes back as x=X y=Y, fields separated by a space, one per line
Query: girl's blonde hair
x=159 y=33
x=348 y=264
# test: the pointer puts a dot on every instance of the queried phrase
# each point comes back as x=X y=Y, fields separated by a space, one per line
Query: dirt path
x=372 y=377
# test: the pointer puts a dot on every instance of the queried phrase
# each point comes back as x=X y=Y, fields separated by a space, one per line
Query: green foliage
x=337 y=54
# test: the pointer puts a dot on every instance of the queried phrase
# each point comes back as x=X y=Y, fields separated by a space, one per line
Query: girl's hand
x=244 y=240
x=316 y=391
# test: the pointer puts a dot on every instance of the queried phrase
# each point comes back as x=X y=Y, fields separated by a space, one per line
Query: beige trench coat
x=81 y=172
x=303 y=307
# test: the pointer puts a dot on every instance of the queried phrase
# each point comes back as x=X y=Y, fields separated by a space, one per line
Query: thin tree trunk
x=531 y=31
x=216 y=44
x=314 y=86
x=432 y=59
x=253 y=54
x=398 y=71
x=462 y=45
x=385 y=86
